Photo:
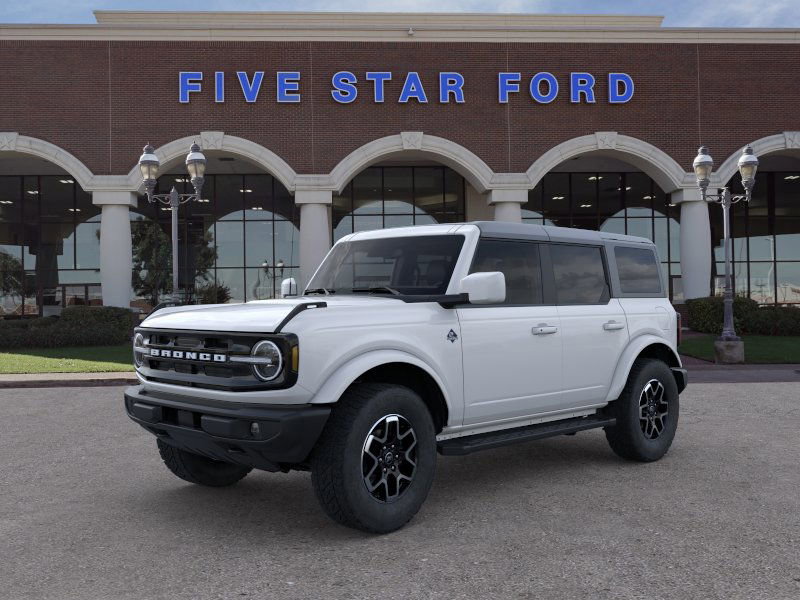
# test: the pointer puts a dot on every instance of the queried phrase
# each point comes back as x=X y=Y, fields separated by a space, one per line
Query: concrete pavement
x=88 y=511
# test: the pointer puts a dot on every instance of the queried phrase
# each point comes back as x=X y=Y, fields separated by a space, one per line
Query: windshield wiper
x=321 y=290
x=378 y=289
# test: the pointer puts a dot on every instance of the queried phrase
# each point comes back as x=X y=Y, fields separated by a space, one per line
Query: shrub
x=213 y=293
x=706 y=314
x=782 y=320
x=77 y=326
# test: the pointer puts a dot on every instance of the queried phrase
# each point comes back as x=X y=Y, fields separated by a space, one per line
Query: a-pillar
x=508 y=204
x=315 y=230
x=695 y=243
x=116 y=255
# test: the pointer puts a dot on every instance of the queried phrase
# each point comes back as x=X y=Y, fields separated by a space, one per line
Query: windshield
x=418 y=265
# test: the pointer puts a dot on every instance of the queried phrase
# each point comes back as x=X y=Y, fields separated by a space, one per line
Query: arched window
x=626 y=202
x=238 y=244
x=396 y=196
x=49 y=245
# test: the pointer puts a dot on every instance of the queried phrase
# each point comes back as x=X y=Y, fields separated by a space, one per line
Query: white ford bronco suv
x=409 y=341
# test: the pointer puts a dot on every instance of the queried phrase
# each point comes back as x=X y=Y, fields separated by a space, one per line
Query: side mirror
x=484 y=288
x=288 y=287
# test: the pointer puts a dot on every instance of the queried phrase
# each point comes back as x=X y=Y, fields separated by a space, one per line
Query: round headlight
x=270 y=360
x=138 y=342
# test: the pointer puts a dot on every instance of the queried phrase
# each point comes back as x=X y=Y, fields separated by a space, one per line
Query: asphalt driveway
x=87 y=510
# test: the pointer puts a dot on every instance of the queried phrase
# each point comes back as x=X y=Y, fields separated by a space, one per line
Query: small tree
x=12 y=278
x=152 y=260
x=214 y=293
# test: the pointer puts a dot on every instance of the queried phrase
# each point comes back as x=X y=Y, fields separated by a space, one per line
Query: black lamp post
x=196 y=165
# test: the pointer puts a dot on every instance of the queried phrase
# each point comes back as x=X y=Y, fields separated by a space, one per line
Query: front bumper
x=225 y=430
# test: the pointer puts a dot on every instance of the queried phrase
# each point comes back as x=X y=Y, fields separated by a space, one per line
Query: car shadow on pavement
x=285 y=505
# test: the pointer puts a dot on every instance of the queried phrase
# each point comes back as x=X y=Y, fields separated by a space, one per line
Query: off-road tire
x=199 y=469
x=336 y=462
x=627 y=438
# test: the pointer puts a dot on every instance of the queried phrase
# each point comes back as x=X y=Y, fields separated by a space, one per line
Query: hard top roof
x=501 y=229
x=552 y=233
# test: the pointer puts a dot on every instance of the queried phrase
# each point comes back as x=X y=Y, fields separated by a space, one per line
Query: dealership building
x=316 y=125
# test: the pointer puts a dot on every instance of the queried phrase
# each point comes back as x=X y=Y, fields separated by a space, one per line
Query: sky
x=678 y=13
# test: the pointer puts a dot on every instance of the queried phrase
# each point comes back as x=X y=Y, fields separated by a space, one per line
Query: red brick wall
x=102 y=101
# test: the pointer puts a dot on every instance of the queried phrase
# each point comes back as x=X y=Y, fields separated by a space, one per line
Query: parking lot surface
x=87 y=510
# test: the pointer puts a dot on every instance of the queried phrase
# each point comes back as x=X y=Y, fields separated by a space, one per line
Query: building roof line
x=245 y=33
x=273 y=18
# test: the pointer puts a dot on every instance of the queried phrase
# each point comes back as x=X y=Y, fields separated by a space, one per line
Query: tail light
x=678 y=327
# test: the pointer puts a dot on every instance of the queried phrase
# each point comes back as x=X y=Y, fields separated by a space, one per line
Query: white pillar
x=315 y=230
x=116 y=255
x=508 y=204
x=695 y=243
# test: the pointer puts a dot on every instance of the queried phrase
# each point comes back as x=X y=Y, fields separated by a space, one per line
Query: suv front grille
x=193 y=371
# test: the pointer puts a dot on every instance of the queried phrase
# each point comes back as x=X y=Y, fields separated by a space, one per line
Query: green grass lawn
x=92 y=359
x=763 y=349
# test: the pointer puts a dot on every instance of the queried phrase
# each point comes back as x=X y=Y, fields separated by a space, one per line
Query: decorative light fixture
x=703 y=165
x=196 y=166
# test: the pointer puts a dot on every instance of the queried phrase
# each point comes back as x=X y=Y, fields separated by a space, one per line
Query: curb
x=21 y=382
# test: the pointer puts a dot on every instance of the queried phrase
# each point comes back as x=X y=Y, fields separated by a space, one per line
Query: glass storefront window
x=230 y=245
x=627 y=203
x=762 y=282
x=386 y=197
x=788 y=281
x=556 y=198
x=766 y=234
x=49 y=241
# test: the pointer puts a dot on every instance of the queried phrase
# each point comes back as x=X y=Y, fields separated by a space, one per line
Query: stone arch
x=444 y=151
x=656 y=163
x=781 y=142
x=218 y=140
x=11 y=141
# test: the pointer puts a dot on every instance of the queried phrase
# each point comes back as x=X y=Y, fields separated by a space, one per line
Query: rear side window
x=579 y=274
x=518 y=262
x=638 y=271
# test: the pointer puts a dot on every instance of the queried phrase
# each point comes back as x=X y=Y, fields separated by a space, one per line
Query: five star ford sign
x=543 y=87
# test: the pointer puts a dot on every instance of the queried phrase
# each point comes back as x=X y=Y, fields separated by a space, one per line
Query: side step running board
x=496 y=439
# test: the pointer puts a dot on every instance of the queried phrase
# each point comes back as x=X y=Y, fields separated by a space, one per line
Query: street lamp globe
x=196 y=165
x=148 y=165
x=703 y=165
x=748 y=164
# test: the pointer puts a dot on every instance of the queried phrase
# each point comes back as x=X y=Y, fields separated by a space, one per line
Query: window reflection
x=387 y=197
x=230 y=245
x=627 y=203
x=766 y=238
x=49 y=245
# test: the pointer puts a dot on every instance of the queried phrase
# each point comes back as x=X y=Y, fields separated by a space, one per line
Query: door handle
x=613 y=326
x=543 y=329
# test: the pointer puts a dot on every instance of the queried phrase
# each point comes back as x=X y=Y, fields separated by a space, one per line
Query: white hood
x=262 y=316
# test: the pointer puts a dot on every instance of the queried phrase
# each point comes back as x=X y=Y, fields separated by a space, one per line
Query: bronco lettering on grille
x=180 y=354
